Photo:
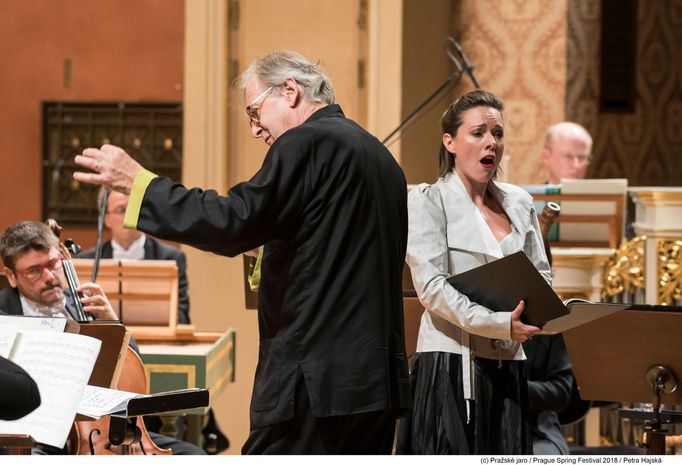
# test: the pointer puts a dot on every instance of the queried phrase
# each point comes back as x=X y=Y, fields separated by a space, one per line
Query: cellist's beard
x=52 y=293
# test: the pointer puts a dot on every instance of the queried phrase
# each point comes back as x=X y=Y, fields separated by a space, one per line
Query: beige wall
x=216 y=296
x=384 y=70
x=324 y=31
x=425 y=68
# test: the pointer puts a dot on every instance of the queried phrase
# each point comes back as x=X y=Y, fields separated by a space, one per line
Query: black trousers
x=497 y=421
x=362 y=433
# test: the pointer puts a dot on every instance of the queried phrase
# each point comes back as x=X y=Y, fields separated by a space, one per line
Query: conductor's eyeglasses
x=253 y=112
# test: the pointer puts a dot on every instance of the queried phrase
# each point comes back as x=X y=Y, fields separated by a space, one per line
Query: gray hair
x=277 y=67
x=24 y=237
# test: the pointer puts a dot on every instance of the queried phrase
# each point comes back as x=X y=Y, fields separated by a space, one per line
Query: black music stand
x=123 y=429
x=632 y=356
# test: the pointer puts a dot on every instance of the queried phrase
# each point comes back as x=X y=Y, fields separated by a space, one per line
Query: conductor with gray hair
x=329 y=206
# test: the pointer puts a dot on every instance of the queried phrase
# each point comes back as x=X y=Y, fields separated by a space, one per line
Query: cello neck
x=67 y=248
x=74 y=284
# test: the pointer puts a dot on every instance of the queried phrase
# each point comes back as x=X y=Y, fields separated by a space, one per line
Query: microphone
x=464 y=66
x=456 y=55
x=56 y=171
x=103 y=203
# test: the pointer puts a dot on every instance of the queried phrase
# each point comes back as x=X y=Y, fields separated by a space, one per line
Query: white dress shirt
x=31 y=308
x=448 y=235
x=135 y=251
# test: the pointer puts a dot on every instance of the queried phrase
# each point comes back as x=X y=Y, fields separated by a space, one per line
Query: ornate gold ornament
x=624 y=271
x=669 y=271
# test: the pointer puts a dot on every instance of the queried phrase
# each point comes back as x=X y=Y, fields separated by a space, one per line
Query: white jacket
x=448 y=235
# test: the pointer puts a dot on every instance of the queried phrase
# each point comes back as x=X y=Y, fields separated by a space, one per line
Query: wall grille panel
x=150 y=132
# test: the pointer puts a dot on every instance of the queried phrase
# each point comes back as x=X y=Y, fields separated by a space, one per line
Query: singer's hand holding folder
x=500 y=285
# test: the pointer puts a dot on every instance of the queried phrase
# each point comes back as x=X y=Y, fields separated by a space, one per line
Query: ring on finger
x=96 y=166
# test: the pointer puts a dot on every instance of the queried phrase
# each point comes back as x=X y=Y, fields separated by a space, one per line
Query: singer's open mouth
x=488 y=161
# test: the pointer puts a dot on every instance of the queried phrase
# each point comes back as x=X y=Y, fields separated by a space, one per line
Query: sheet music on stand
x=62 y=356
x=61 y=364
x=98 y=402
x=596 y=230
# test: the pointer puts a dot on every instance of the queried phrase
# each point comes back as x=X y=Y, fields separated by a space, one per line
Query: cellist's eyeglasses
x=34 y=273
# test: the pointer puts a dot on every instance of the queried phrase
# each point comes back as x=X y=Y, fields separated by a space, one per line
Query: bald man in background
x=567 y=152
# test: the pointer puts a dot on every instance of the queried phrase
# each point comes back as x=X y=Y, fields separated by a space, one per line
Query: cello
x=92 y=437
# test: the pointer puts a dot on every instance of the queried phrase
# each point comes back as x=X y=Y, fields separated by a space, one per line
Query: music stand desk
x=611 y=355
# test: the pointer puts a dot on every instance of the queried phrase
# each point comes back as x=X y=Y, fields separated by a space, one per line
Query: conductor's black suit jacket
x=329 y=203
x=155 y=250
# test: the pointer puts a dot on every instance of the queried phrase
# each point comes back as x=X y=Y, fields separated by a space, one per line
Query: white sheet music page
x=99 y=401
x=61 y=364
x=7 y=335
x=33 y=323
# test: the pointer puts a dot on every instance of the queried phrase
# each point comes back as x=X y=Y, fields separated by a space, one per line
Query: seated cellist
x=34 y=269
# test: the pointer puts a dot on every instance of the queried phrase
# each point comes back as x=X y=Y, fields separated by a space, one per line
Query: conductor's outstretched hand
x=521 y=332
x=112 y=167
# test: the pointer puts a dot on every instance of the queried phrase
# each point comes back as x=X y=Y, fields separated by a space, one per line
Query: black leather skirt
x=440 y=424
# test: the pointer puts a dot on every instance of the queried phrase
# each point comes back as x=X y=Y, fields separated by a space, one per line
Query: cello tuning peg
x=73 y=248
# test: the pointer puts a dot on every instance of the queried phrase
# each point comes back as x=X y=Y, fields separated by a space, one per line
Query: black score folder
x=500 y=285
